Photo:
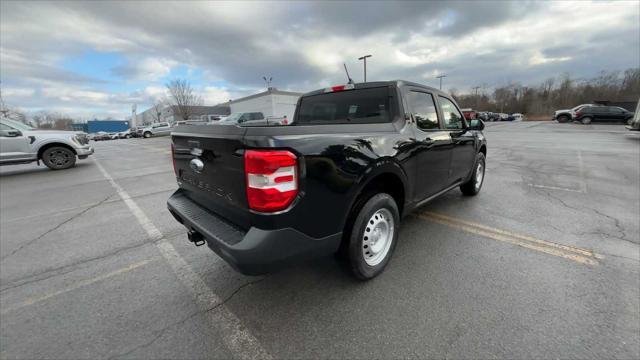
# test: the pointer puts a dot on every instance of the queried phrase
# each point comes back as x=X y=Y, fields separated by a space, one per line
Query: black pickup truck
x=355 y=160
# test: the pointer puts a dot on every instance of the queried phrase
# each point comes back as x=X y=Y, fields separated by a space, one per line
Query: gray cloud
x=302 y=44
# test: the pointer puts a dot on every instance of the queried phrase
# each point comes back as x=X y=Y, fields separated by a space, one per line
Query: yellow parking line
x=36 y=299
x=580 y=255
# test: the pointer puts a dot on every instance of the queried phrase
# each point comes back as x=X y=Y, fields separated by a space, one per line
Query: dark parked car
x=355 y=160
x=588 y=114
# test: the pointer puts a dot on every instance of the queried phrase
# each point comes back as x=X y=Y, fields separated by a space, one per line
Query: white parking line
x=583 y=183
x=236 y=337
x=78 y=285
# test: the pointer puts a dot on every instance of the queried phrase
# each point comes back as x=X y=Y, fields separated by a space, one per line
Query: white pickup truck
x=21 y=144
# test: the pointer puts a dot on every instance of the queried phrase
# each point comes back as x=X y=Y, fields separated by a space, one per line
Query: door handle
x=428 y=141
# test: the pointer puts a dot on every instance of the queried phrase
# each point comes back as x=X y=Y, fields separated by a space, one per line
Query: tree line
x=555 y=93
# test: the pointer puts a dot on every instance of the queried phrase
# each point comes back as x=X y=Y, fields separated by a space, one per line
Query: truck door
x=433 y=144
x=14 y=145
x=463 y=141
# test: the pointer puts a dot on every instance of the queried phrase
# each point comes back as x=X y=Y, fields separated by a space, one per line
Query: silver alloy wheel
x=59 y=158
x=479 y=175
x=377 y=237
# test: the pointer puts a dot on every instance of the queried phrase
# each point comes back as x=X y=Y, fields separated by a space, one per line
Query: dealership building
x=272 y=103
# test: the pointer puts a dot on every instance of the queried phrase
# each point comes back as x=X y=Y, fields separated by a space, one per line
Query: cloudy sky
x=96 y=59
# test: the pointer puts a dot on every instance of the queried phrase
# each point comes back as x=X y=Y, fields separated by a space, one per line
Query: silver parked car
x=158 y=129
x=21 y=144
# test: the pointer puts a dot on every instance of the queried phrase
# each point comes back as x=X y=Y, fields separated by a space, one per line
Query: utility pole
x=365 y=65
x=440 y=77
x=475 y=88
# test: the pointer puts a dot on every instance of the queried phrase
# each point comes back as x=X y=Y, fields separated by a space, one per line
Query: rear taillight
x=173 y=159
x=578 y=113
x=272 y=179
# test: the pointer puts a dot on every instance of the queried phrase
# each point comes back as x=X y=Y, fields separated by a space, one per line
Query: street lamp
x=440 y=77
x=268 y=82
x=365 y=65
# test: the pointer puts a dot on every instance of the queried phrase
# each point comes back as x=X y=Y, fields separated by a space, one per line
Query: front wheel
x=147 y=135
x=58 y=158
x=473 y=186
x=586 y=120
x=374 y=236
x=563 y=119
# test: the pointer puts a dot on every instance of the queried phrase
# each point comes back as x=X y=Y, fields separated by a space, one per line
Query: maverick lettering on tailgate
x=218 y=191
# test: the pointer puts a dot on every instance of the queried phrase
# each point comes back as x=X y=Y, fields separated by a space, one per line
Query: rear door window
x=358 y=106
x=453 y=118
x=423 y=109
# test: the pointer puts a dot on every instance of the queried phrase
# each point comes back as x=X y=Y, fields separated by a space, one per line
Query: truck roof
x=372 y=84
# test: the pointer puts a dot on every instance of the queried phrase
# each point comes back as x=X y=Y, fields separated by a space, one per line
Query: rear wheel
x=473 y=186
x=563 y=118
x=373 y=236
x=586 y=120
x=58 y=158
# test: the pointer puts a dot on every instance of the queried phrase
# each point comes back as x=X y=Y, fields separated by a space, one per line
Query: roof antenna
x=347 y=71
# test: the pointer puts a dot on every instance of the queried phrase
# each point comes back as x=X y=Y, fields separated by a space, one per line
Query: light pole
x=365 y=65
x=475 y=88
x=268 y=82
x=440 y=77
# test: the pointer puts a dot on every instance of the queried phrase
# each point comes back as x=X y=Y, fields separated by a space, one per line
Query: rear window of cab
x=359 y=106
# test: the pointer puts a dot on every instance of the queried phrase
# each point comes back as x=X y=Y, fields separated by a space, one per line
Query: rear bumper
x=251 y=252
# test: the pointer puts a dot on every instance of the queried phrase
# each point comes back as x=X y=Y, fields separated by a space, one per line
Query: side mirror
x=10 y=133
x=476 y=124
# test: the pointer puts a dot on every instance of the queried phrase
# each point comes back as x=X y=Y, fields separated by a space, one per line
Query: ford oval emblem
x=196 y=165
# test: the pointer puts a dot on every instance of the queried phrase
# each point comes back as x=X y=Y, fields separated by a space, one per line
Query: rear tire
x=58 y=158
x=373 y=237
x=473 y=186
x=563 y=119
x=586 y=120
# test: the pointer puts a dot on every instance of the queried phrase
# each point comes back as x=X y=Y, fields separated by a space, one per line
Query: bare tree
x=184 y=97
x=158 y=106
x=10 y=113
x=554 y=93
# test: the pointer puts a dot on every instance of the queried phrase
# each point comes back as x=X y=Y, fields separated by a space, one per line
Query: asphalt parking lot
x=544 y=263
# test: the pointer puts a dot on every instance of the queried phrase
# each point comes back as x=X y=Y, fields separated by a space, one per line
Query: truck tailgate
x=209 y=166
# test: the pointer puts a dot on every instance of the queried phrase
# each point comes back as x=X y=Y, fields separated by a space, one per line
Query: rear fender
x=382 y=166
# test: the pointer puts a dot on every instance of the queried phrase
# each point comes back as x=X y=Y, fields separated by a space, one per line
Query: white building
x=171 y=114
x=272 y=102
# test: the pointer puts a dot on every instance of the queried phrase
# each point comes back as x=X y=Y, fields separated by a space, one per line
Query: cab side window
x=453 y=119
x=423 y=109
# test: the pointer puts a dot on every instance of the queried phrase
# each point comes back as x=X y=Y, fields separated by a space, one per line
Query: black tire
x=147 y=135
x=474 y=185
x=362 y=235
x=58 y=158
x=563 y=119
x=586 y=120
